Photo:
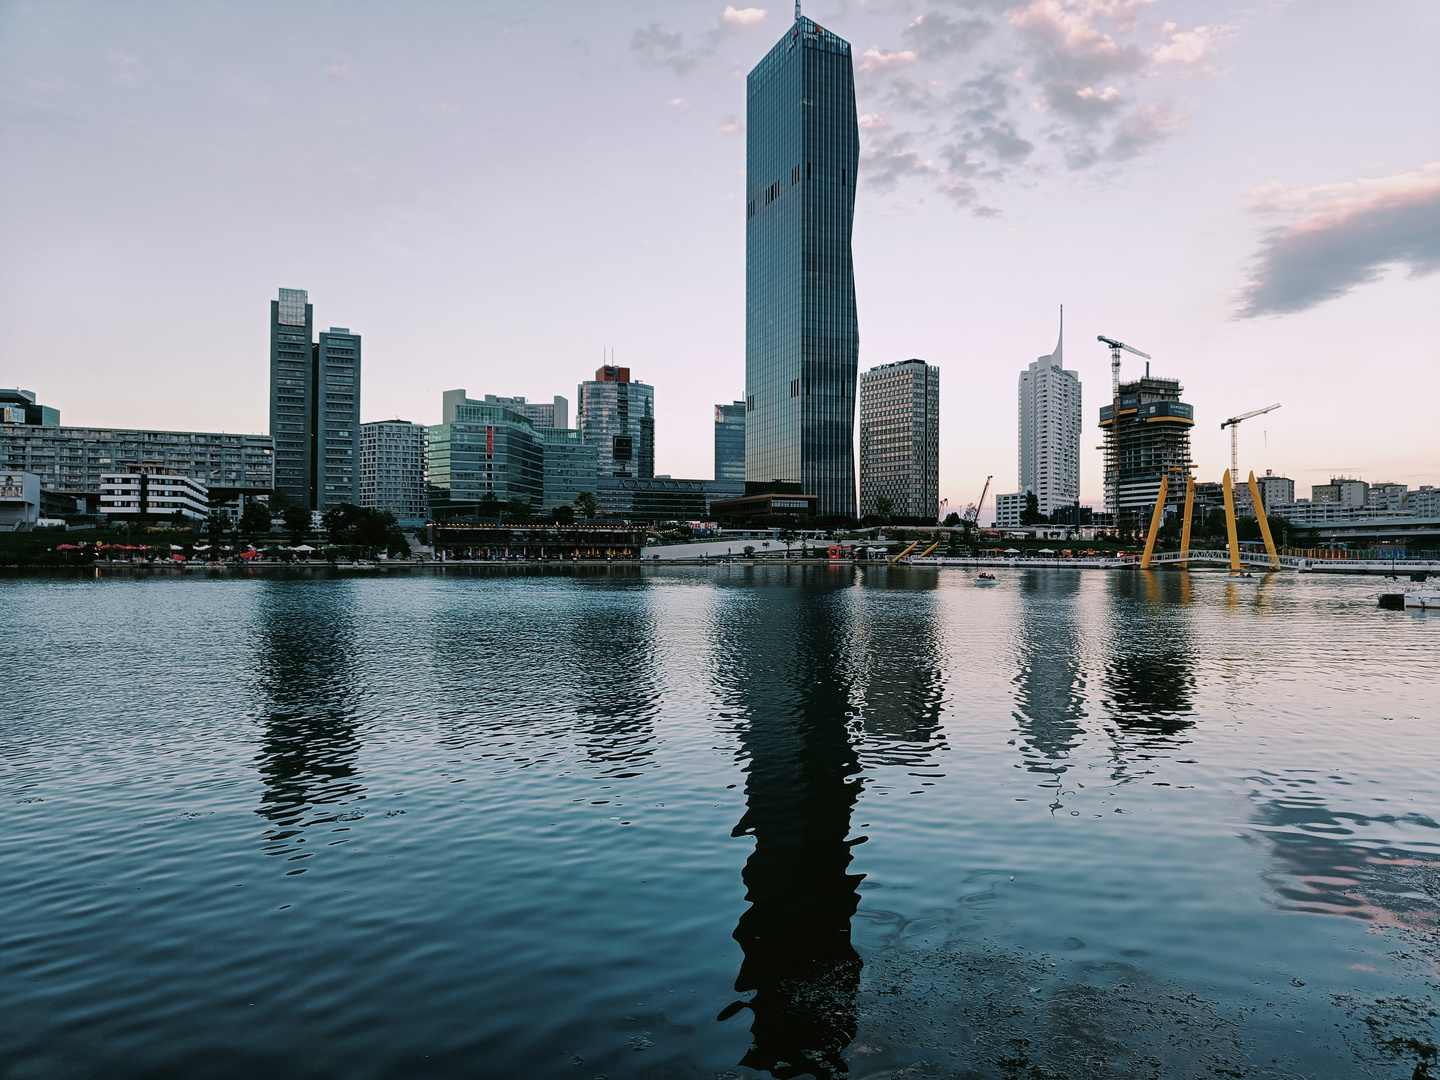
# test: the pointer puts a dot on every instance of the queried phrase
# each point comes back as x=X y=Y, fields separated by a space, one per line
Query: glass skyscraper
x=617 y=417
x=730 y=442
x=802 y=345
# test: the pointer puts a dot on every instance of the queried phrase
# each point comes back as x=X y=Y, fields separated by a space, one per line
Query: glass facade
x=570 y=465
x=730 y=442
x=617 y=417
x=484 y=449
x=801 y=333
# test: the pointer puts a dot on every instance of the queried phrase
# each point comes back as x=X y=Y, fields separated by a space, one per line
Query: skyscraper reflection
x=307 y=689
x=1050 y=684
x=1150 y=661
x=791 y=666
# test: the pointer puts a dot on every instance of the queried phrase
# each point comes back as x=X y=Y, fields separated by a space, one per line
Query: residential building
x=392 y=468
x=571 y=466
x=801 y=335
x=1148 y=440
x=314 y=406
x=1386 y=496
x=148 y=494
x=553 y=414
x=730 y=442
x=617 y=416
x=1274 y=490
x=19 y=407
x=479 y=450
x=1347 y=491
x=72 y=460
x=1008 y=509
x=1424 y=501
x=1050 y=429
x=900 y=440
x=19 y=500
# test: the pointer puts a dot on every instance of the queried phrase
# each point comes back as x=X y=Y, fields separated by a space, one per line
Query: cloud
x=749 y=16
x=732 y=125
x=1345 y=236
x=656 y=46
x=127 y=68
x=874 y=59
x=678 y=103
x=1192 y=48
x=1143 y=128
x=339 y=69
x=934 y=34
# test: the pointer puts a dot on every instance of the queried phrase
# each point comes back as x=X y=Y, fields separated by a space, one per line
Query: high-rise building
x=617 y=416
x=570 y=466
x=730 y=442
x=1050 y=429
x=801 y=335
x=1150 y=440
x=900 y=440
x=392 y=468
x=314 y=406
x=553 y=414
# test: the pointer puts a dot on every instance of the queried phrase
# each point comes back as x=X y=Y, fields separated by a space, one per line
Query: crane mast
x=1234 y=425
x=1112 y=454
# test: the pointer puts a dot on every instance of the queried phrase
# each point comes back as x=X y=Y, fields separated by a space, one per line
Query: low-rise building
x=146 y=494
x=19 y=407
x=1345 y=490
x=19 y=500
x=662 y=498
x=1008 y=508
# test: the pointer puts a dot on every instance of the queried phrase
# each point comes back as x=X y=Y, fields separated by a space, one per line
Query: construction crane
x=1115 y=347
x=972 y=513
x=1234 y=425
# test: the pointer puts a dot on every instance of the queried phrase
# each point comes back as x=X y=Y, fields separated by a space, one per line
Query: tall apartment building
x=1050 y=429
x=1148 y=439
x=392 y=468
x=1344 y=490
x=900 y=439
x=730 y=442
x=617 y=417
x=802 y=341
x=314 y=406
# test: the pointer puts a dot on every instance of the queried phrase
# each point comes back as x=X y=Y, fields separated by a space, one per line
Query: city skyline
x=1163 y=248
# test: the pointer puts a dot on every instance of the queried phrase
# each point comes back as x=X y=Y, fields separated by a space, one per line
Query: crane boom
x=1234 y=425
x=972 y=515
x=1246 y=416
x=1121 y=345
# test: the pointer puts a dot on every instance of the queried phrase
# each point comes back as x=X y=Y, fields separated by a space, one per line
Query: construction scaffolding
x=1147 y=438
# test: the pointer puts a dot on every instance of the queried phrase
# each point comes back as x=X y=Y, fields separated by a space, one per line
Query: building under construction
x=1148 y=439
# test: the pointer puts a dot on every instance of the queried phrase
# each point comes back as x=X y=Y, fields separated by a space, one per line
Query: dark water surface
x=722 y=822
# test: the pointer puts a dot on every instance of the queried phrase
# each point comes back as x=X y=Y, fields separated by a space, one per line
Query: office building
x=148 y=494
x=730 y=442
x=900 y=440
x=1274 y=490
x=801 y=334
x=314 y=406
x=71 y=460
x=571 y=466
x=481 y=450
x=1149 y=439
x=1008 y=509
x=1050 y=423
x=552 y=414
x=392 y=468
x=617 y=417
x=662 y=498
x=19 y=407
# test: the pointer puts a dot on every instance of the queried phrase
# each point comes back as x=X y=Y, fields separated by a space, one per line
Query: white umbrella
x=1011 y=551
x=303 y=547
x=1046 y=551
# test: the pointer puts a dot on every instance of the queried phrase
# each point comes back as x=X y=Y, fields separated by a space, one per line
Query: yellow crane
x=1234 y=425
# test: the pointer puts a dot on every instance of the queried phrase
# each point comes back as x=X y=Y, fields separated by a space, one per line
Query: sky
x=495 y=194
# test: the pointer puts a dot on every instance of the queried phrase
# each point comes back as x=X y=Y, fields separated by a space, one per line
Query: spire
x=797 y=10
x=1057 y=358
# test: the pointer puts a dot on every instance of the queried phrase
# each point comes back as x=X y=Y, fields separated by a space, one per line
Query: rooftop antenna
x=797 y=10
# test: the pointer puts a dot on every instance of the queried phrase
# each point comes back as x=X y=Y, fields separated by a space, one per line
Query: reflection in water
x=899 y=643
x=1149 y=669
x=1050 y=694
x=787 y=657
x=307 y=689
x=1341 y=863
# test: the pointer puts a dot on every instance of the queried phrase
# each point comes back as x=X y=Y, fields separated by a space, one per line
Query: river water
x=721 y=822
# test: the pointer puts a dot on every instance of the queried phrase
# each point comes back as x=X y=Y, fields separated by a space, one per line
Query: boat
x=1244 y=579
x=985 y=580
x=1424 y=599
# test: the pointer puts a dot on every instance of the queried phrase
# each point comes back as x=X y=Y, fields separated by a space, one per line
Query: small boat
x=986 y=580
x=1244 y=579
x=1424 y=599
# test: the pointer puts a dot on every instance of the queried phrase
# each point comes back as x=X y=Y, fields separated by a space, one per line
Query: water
x=720 y=822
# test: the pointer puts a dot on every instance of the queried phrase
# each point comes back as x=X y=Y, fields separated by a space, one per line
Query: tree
x=1031 y=514
x=883 y=509
x=489 y=506
x=587 y=504
x=952 y=519
x=788 y=537
x=563 y=515
x=215 y=526
x=518 y=509
x=749 y=551
x=255 y=519
x=297 y=522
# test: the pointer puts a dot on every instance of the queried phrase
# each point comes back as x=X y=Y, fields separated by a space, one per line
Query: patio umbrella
x=303 y=547
x=1046 y=551
x=1011 y=551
